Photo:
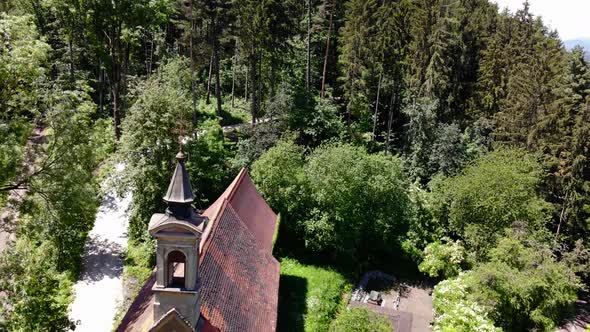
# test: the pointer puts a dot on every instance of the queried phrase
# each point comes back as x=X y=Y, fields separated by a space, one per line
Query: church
x=214 y=270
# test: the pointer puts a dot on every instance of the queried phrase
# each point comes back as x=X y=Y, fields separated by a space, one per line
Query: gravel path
x=100 y=287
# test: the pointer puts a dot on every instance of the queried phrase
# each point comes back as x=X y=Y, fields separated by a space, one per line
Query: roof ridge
x=238 y=182
x=214 y=224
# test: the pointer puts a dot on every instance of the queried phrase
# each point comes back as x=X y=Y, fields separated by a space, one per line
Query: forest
x=442 y=140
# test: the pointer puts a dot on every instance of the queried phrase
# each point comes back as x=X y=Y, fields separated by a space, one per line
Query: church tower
x=178 y=234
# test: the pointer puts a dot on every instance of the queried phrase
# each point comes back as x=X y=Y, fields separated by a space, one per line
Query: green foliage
x=524 y=286
x=140 y=260
x=359 y=200
x=346 y=201
x=22 y=55
x=62 y=198
x=35 y=296
x=13 y=135
x=103 y=139
x=259 y=139
x=150 y=142
x=443 y=259
x=360 y=320
x=325 y=123
x=456 y=312
x=373 y=44
x=424 y=225
x=207 y=162
x=279 y=175
x=309 y=296
x=421 y=132
x=495 y=192
x=21 y=58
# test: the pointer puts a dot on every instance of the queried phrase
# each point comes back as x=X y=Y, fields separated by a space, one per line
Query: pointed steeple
x=180 y=194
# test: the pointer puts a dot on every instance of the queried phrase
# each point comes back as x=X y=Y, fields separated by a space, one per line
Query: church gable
x=172 y=321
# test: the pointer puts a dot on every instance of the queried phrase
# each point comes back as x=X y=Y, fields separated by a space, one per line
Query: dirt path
x=100 y=287
x=581 y=321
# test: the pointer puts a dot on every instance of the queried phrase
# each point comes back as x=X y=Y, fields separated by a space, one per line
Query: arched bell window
x=176 y=266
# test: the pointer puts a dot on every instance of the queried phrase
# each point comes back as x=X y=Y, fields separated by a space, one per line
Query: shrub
x=524 y=286
x=455 y=311
x=443 y=259
x=347 y=202
x=495 y=192
x=359 y=202
x=35 y=296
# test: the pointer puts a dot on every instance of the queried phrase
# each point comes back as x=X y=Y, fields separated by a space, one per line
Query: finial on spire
x=181 y=156
x=180 y=194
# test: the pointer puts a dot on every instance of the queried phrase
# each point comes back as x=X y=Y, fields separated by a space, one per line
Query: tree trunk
x=561 y=215
x=308 y=65
x=273 y=77
x=323 y=94
x=392 y=104
x=217 y=80
x=192 y=59
x=253 y=72
x=71 y=47
x=259 y=80
x=116 y=116
x=150 y=55
x=233 y=81
x=246 y=89
x=124 y=80
x=115 y=80
x=100 y=86
x=208 y=101
x=376 y=115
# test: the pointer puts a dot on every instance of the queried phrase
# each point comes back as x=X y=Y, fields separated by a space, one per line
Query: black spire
x=180 y=194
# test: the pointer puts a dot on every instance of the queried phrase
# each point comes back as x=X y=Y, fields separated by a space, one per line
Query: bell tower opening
x=176 y=265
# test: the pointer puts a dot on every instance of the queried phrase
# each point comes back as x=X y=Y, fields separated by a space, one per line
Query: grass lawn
x=309 y=296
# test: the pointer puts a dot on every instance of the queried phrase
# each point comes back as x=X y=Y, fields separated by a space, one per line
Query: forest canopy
x=443 y=138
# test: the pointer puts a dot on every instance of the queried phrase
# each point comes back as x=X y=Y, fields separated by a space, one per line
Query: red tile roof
x=250 y=206
x=239 y=275
x=246 y=279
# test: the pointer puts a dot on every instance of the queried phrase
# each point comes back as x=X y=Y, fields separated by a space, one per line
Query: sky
x=571 y=18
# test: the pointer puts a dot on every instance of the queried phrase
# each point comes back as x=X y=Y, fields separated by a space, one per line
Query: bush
x=360 y=320
x=35 y=296
x=103 y=139
x=443 y=259
x=359 y=203
x=495 y=192
x=309 y=296
x=524 y=286
x=521 y=287
x=348 y=203
x=279 y=176
x=456 y=312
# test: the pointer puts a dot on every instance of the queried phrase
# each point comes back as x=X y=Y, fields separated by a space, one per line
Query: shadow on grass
x=292 y=303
